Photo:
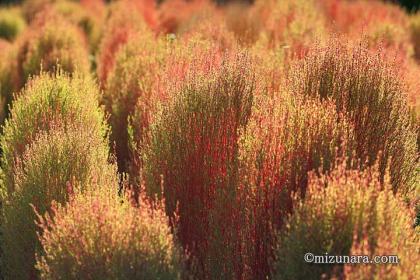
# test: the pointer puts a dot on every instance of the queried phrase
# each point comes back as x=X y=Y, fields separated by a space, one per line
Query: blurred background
x=410 y=5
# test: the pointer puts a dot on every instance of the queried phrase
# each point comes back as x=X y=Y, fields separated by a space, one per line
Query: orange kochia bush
x=175 y=14
x=168 y=70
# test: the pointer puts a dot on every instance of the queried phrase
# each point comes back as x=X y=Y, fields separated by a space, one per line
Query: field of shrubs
x=194 y=140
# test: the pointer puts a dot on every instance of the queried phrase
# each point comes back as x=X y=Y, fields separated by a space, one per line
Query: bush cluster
x=178 y=139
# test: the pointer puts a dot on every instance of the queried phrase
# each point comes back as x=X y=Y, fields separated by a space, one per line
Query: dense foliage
x=101 y=236
x=200 y=139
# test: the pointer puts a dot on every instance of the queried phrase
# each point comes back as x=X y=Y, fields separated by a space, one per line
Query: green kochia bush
x=365 y=87
x=348 y=212
x=47 y=100
x=49 y=42
x=101 y=236
x=11 y=23
x=56 y=163
x=53 y=140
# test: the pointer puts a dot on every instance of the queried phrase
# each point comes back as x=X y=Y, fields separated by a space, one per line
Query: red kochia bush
x=291 y=24
x=167 y=71
x=193 y=145
x=365 y=87
x=382 y=23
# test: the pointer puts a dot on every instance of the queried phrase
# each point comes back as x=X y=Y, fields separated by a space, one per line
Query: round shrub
x=87 y=15
x=348 y=212
x=287 y=137
x=58 y=162
x=123 y=22
x=192 y=151
x=179 y=57
x=365 y=88
x=45 y=101
x=392 y=37
x=49 y=42
x=11 y=23
x=130 y=82
x=100 y=236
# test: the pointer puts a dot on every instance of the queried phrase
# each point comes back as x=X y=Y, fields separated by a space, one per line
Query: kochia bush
x=365 y=88
x=415 y=33
x=193 y=145
x=50 y=41
x=287 y=137
x=167 y=75
x=130 y=82
x=348 y=212
x=62 y=160
x=55 y=136
x=123 y=22
x=293 y=25
x=89 y=19
x=45 y=101
x=101 y=236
